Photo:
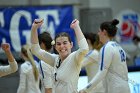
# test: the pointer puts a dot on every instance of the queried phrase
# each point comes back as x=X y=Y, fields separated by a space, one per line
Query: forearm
x=9 y=56
x=78 y=33
x=12 y=62
x=34 y=35
x=13 y=66
x=82 y=51
x=6 y=70
x=42 y=54
x=95 y=81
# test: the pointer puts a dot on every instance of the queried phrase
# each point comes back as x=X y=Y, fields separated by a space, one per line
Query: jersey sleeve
x=82 y=51
x=11 y=68
x=91 y=57
x=42 y=54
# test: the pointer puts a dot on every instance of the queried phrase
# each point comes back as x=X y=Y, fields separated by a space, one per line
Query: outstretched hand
x=74 y=23
x=5 y=46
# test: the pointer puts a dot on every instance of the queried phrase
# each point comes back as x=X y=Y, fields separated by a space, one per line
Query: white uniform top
x=66 y=76
x=27 y=83
x=113 y=69
x=46 y=72
x=6 y=70
x=91 y=64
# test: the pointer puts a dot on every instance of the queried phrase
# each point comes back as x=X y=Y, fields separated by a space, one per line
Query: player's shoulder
x=92 y=53
x=111 y=44
x=26 y=66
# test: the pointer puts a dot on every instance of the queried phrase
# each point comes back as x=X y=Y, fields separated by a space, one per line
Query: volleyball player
x=113 y=68
x=67 y=64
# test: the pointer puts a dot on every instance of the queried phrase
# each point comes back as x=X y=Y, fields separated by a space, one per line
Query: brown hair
x=63 y=34
x=46 y=38
x=94 y=39
x=110 y=27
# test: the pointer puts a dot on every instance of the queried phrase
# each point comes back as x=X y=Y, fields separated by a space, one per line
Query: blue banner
x=15 y=23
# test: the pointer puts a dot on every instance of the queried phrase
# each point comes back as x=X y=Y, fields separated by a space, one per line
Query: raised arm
x=34 y=35
x=82 y=43
x=12 y=67
x=77 y=29
x=35 y=48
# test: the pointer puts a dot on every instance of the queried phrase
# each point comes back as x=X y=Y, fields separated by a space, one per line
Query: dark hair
x=136 y=39
x=63 y=34
x=94 y=39
x=110 y=27
x=45 y=38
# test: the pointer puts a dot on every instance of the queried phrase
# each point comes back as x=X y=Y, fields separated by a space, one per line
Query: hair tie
x=53 y=42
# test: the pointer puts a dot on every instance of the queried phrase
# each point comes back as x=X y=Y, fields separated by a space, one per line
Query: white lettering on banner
x=14 y=28
x=1 y=19
x=44 y=14
x=27 y=34
x=2 y=23
x=16 y=34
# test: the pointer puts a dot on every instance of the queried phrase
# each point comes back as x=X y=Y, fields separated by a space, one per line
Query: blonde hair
x=26 y=52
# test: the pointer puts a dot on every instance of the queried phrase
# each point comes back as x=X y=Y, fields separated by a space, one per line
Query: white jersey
x=113 y=69
x=46 y=72
x=91 y=64
x=6 y=70
x=66 y=76
x=27 y=83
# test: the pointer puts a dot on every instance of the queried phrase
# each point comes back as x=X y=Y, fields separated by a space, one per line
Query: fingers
x=36 y=21
x=74 y=23
x=5 y=46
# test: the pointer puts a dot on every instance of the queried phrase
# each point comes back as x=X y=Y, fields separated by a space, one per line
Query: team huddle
x=58 y=72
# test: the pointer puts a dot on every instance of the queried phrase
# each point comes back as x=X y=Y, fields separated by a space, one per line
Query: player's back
x=118 y=64
x=117 y=76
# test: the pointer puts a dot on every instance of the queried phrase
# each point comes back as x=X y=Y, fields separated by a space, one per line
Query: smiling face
x=63 y=46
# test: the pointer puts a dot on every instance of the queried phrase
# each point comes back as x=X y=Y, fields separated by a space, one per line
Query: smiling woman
x=66 y=64
x=63 y=45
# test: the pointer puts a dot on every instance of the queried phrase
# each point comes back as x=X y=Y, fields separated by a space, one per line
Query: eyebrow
x=63 y=42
